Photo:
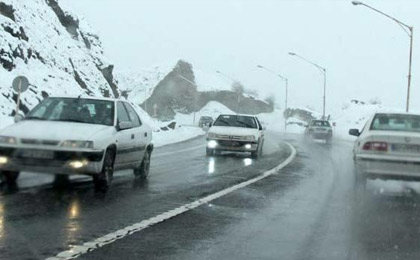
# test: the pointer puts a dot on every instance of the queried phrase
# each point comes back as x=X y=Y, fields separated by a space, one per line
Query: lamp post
x=233 y=81
x=287 y=83
x=324 y=71
x=409 y=30
x=195 y=98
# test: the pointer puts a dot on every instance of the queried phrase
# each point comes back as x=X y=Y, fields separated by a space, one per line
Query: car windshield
x=396 y=122
x=236 y=121
x=320 y=123
x=89 y=111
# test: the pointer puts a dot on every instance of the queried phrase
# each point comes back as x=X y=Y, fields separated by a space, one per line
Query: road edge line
x=90 y=246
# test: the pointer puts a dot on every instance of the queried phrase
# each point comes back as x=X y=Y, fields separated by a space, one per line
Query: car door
x=139 y=134
x=123 y=136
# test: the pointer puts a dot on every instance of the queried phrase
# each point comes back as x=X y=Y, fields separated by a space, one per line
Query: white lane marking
x=79 y=250
x=178 y=151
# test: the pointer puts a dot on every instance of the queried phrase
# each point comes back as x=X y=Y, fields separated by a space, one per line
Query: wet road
x=306 y=211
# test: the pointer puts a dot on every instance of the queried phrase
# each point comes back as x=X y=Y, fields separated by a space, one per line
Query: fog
x=366 y=55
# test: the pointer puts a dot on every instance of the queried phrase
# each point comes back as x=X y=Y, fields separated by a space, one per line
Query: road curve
x=38 y=221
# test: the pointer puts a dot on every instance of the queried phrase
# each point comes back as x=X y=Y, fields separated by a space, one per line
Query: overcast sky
x=366 y=54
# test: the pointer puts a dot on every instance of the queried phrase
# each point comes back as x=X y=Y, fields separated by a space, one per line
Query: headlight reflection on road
x=73 y=225
x=1 y=220
x=211 y=165
x=247 y=161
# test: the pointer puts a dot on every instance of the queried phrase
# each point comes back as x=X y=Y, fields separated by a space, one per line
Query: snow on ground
x=179 y=134
x=212 y=108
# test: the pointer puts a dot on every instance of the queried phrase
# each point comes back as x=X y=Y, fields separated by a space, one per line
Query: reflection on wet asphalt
x=307 y=211
x=39 y=220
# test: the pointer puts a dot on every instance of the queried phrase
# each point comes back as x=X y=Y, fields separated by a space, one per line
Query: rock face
x=177 y=92
x=57 y=52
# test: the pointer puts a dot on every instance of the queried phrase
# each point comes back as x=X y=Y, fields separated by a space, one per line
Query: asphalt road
x=306 y=211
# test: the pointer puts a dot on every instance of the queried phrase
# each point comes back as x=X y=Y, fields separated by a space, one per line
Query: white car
x=237 y=133
x=388 y=147
x=65 y=136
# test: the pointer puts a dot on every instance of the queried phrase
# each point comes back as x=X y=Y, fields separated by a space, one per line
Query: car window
x=396 y=122
x=236 y=121
x=90 y=111
x=320 y=123
x=134 y=118
x=122 y=114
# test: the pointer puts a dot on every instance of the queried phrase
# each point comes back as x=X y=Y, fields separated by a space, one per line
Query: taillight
x=376 y=146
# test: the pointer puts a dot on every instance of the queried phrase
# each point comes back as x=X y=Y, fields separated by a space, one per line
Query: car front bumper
x=233 y=145
x=387 y=168
x=62 y=161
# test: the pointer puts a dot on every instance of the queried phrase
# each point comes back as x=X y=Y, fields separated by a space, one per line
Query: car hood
x=52 y=130
x=228 y=130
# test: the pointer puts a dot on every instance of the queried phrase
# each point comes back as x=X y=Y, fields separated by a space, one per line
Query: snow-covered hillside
x=56 y=51
x=138 y=85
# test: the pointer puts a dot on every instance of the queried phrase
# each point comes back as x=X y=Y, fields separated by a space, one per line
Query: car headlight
x=249 y=138
x=7 y=140
x=77 y=144
x=211 y=135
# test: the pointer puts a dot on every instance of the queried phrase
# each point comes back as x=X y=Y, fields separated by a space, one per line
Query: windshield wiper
x=34 y=118
x=71 y=120
x=222 y=120
x=245 y=124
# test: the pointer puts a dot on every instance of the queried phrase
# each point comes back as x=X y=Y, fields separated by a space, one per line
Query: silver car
x=319 y=129
x=388 y=147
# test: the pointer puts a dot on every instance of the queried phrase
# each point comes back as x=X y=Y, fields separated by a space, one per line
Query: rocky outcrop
x=177 y=92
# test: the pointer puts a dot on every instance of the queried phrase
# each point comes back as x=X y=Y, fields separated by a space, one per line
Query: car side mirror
x=124 y=125
x=354 y=132
x=18 y=118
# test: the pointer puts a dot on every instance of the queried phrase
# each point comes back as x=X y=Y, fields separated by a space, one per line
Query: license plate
x=38 y=154
x=406 y=148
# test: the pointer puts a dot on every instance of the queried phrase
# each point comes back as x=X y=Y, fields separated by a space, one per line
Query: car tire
x=103 y=179
x=257 y=152
x=9 y=177
x=210 y=152
x=142 y=172
x=61 y=180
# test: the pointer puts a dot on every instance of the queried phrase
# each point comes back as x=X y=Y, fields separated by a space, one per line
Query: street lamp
x=233 y=81
x=195 y=98
x=286 y=81
x=323 y=70
x=409 y=30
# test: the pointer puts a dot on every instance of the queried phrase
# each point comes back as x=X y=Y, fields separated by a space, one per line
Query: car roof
x=396 y=113
x=319 y=120
x=90 y=97
x=237 y=115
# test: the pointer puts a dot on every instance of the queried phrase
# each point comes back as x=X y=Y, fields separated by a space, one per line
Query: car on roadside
x=388 y=147
x=319 y=129
x=205 y=121
x=71 y=136
x=235 y=133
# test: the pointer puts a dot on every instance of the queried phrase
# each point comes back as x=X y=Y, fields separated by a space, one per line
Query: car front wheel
x=104 y=178
x=143 y=171
x=257 y=153
x=9 y=177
